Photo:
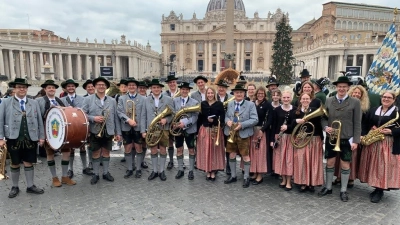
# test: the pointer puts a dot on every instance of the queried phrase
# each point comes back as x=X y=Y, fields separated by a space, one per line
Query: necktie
x=132 y=97
x=183 y=102
x=54 y=102
x=22 y=102
x=72 y=99
x=237 y=107
x=340 y=101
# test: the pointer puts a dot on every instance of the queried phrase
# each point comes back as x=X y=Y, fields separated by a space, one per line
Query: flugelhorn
x=106 y=114
x=335 y=134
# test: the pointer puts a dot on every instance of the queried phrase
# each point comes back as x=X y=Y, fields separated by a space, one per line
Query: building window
x=338 y=24
x=352 y=37
x=349 y=25
x=359 y=36
x=172 y=27
x=200 y=64
x=344 y=25
x=200 y=47
x=214 y=55
x=172 y=47
x=187 y=28
x=248 y=27
x=214 y=47
x=261 y=27
x=247 y=47
x=214 y=27
x=222 y=46
x=200 y=27
x=214 y=67
x=338 y=12
x=234 y=26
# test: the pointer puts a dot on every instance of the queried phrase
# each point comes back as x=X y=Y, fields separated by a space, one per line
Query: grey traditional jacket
x=348 y=113
x=11 y=118
x=191 y=121
x=149 y=111
x=227 y=96
x=42 y=104
x=196 y=96
x=92 y=107
x=122 y=111
x=248 y=117
x=77 y=103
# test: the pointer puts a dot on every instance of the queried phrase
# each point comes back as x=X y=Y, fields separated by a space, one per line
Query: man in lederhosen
x=200 y=94
x=142 y=90
x=188 y=127
x=45 y=103
x=347 y=110
x=171 y=92
x=153 y=105
x=104 y=124
x=241 y=114
x=222 y=96
x=15 y=115
x=130 y=126
x=75 y=101
x=89 y=88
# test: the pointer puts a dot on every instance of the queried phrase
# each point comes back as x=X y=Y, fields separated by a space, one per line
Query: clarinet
x=278 y=139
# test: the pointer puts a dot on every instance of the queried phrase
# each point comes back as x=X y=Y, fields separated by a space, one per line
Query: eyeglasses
x=387 y=97
x=21 y=87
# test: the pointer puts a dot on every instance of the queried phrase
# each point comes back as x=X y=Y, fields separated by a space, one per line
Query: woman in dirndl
x=258 y=143
x=283 y=150
x=380 y=161
x=308 y=164
x=211 y=157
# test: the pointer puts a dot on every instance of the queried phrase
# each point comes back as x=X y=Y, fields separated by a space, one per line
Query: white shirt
x=19 y=100
x=183 y=101
x=156 y=100
x=341 y=99
x=221 y=99
x=236 y=104
x=72 y=97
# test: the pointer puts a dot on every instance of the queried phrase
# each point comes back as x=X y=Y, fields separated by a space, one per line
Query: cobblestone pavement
x=139 y=201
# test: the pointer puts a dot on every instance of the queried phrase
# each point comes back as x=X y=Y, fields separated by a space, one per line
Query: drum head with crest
x=55 y=127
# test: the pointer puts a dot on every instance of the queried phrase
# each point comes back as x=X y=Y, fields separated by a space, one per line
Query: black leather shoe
x=162 y=176
x=108 y=177
x=336 y=181
x=303 y=189
x=344 y=197
x=377 y=197
x=246 y=183
x=34 y=190
x=212 y=178
x=324 y=191
x=373 y=193
x=282 y=185
x=255 y=182
x=230 y=180
x=311 y=189
x=123 y=160
x=133 y=167
x=87 y=171
x=208 y=178
x=14 y=192
x=288 y=189
x=170 y=165
x=94 y=180
x=191 y=175
x=350 y=185
x=228 y=171
x=144 y=165
x=128 y=174
x=138 y=174
x=70 y=174
x=180 y=174
x=152 y=176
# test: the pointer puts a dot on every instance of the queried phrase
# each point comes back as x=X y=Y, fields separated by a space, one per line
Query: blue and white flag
x=384 y=71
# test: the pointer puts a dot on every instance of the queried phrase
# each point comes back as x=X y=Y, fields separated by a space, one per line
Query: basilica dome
x=216 y=9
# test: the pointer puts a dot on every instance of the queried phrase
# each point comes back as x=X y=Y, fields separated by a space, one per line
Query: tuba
x=105 y=113
x=177 y=94
x=183 y=113
x=376 y=135
x=335 y=134
x=302 y=137
x=112 y=90
x=154 y=133
x=3 y=156
x=131 y=109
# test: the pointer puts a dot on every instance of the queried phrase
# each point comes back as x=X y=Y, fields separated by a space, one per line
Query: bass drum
x=66 y=127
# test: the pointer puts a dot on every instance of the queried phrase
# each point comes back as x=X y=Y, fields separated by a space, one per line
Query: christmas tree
x=283 y=55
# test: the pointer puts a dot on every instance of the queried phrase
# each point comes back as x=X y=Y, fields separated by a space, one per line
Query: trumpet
x=131 y=109
x=335 y=134
x=218 y=128
x=232 y=131
x=3 y=156
x=103 y=124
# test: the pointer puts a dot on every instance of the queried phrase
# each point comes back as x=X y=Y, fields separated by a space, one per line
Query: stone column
x=340 y=64
x=41 y=62
x=194 y=61
x=117 y=67
x=31 y=67
x=17 y=64
x=6 y=64
x=254 y=58
x=60 y=67
x=181 y=55
x=218 y=56
x=354 y=60
x=242 y=56
x=238 y=43
x=79 y=67
x=210 y=56
x=205 y=56
x=69 y=67
x=96 y=66
x=364 y=65
x=87 y=67
x=131 y=67
x=2 y=71
x=104 y=60
x=136 y=67
x=326 y=68
x=12 y=67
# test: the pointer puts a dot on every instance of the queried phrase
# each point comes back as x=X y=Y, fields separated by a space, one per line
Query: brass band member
x=307 y=161
x=88 y=87
x=280 y=140
x=308 y=87
x=15 y=115
x=222 y=96
x=276 y=95
x=258 y=144
x=240 y=117
x=251 y=92
x=152 y=106
x=173 y=90
x=76 y=101
x=318 y=86
x=360 y=93
x=128 y=104
x=101 y=111
x=271 y=85
x=201 y=82
x=210 y=157
x=142 y=90
x=188 y=125
x=304 y=76
x=347 y=110
x=45 y=103
x=380 y=161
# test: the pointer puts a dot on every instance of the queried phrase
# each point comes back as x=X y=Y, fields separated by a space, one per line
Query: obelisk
x=229 y=44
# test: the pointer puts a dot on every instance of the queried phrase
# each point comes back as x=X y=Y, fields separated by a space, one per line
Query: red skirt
x=354 y=164
x=258 y=157
x=379 y=167
x=308 y=164
x=283 y=157
x=209 y=156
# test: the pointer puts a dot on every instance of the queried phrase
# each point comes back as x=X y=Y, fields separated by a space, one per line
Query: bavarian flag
x=384 y=71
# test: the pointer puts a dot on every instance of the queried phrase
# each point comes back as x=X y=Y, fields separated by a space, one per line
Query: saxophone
x=183 y=113
x=376 y=135
x=3 y=156
x=154 y=133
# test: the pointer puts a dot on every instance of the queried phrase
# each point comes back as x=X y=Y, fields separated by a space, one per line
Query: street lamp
x=183 y=68
x=168 y=65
